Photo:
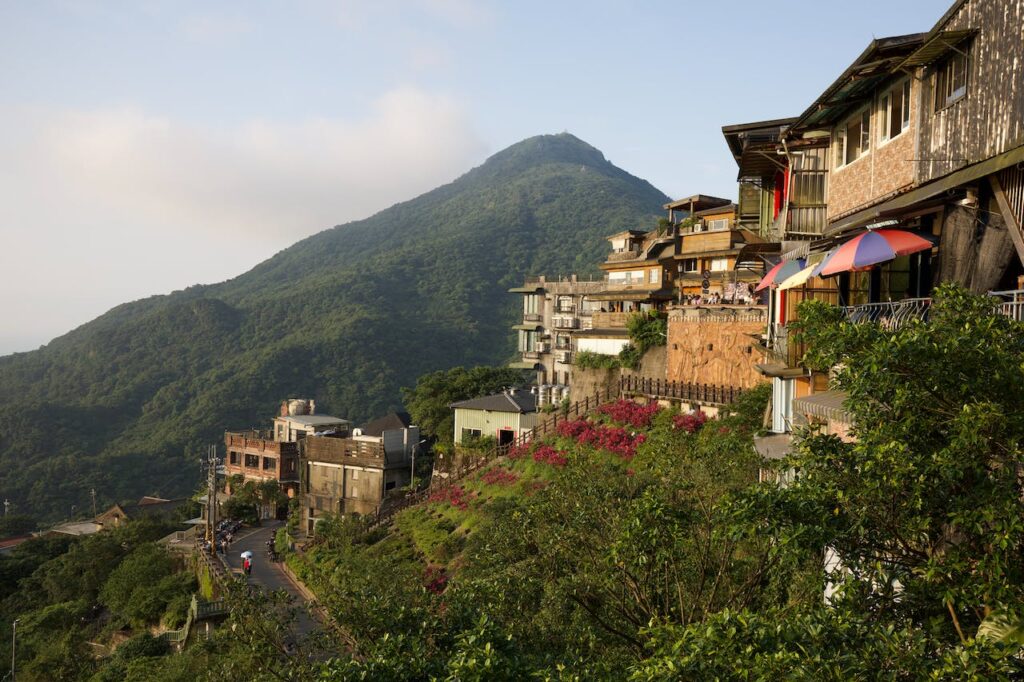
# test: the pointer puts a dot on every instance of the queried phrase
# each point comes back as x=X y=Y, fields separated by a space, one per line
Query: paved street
x=267 y=573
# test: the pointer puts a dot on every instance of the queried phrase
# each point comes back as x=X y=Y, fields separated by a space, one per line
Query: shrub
x=629 y=412
x=690 y=423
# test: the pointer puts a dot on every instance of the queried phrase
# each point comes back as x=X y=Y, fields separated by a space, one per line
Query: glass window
x=951 y=80
x=527 y=341
x=530 y=304
x=858 y=136
x=895 y=111
x=653 y=276
x=269 y=463
x=719 y=264
x=689 y=265
x=252 y=461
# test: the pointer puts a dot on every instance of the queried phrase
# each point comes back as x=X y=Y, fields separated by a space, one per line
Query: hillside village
x=898 y=189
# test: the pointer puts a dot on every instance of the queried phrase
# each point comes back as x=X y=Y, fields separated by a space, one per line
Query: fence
x=891 y=315
x=1010 y=303
x=707 y=394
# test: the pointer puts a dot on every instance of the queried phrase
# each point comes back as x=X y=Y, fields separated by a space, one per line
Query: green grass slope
x=125 y=403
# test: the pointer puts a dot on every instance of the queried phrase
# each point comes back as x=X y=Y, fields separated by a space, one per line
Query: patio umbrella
x=786 y=268
x=800 y=278
x=816 y=272
x=874 y=247
x=246 y=554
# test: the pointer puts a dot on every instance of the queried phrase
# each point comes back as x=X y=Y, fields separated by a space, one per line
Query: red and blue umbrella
x=783 y=270
x=871 y=248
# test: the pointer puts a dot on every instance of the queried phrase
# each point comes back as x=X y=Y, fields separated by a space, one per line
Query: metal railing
x=1010 y=303
x=891 y=315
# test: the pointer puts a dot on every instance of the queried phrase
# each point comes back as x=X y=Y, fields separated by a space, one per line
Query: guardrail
x=1010 y=303
x=196 y=611
x=891 y=315
x=707 y=394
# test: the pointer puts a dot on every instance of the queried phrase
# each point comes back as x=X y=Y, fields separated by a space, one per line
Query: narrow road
x=268 y=574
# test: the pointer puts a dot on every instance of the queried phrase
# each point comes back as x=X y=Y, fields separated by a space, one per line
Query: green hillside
x=126 y=402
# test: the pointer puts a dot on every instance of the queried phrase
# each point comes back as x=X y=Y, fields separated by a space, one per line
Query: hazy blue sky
x=147 y=145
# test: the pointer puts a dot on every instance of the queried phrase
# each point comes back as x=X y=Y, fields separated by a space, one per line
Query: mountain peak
x=544 y=149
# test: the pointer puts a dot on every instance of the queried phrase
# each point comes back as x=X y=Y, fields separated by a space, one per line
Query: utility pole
x=211 y=499
x=14 y=648
x=92 y=492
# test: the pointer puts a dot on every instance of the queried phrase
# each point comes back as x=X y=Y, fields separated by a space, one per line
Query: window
x=269 y=463
x=951 y=80
x=252 y=461
x=355 y=474
x=718 y=224
x=564 y=304
x=689 y=265
x=527 y=341
x=854 y=139
x=563 y=342
x=895 y=111
x=470 y=434
x=653 y=276
x=626 y=276
x=530 y=303
x=719 y=264
x=234 y=458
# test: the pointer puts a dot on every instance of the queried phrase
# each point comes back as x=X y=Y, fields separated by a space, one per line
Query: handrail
x=708 y=394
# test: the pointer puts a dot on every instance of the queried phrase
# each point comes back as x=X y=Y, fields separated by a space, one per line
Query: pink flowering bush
x=629 y=412
x=691 y=423
x=548 y=455
x=614 y=439
x=499 y=476
x=519 y=451
x=455 y=495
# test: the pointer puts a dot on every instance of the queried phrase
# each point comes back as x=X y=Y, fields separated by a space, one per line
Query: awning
x=528 y=327
x=777 y=370
x=774 y=446
x=826 y=405
x=935 y=48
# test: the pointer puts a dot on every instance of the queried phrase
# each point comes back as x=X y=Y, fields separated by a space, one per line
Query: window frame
x=941 y=77
x=843 y=135
x=885 y=111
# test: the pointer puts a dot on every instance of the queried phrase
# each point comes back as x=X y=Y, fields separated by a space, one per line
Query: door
x=506 y=437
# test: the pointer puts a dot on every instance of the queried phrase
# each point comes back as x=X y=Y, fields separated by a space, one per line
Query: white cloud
x=114 y=204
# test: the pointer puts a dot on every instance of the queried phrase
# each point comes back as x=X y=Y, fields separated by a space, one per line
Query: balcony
x=565 y=322
x=609 y=320
x=531 y=317
x=564 y=356
x=891 y=315
x=785 y=347
x=632 y=253
x=1010 y=303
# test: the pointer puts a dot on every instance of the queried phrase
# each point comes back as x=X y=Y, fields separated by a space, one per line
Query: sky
x=146 y=146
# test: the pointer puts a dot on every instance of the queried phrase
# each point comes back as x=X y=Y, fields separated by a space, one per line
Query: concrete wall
x=602 y=346
x=709 y=346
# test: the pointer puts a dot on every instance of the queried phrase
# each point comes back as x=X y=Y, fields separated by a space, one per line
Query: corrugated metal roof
x=827 y=405
x=520 y=401
x=936 y=47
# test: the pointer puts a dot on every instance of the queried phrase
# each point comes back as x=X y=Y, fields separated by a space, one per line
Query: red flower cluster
x=629 y=412
x=454 y=495
x=521 y=450
x=499 y=476
x=614 y=439
x=690 y=423
x=619 y=441
x=435 y=579
x=547 y=454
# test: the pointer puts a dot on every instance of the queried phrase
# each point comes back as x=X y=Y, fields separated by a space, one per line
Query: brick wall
x=881 y=173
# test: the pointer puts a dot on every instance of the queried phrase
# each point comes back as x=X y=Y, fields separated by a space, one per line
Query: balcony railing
x=784 y=346
x=631 y=253
x=891 y=315
x=1010 y=303
x=531 y=317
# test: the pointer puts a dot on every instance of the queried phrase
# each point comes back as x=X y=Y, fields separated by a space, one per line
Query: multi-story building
x=925 y=134
x=709 y=257
x=355 y=474
x=552 y=310
x=273 y=455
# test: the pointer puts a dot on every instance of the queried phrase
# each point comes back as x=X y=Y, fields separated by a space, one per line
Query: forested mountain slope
x=125 y=403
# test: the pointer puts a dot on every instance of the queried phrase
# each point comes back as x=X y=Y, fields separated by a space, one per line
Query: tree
x=925 y=508
x=429 y=401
